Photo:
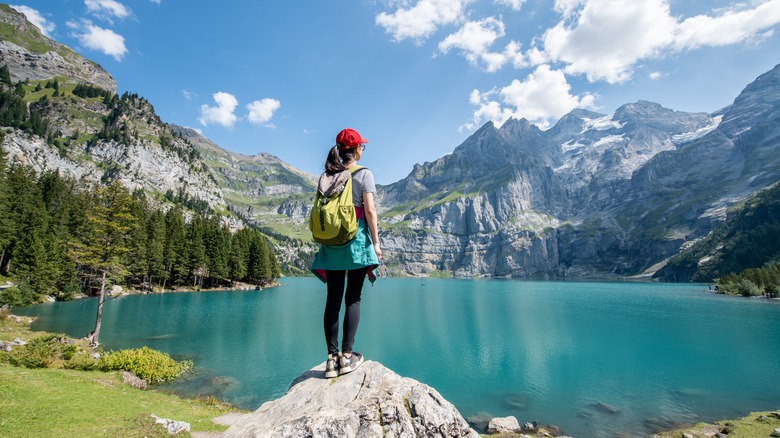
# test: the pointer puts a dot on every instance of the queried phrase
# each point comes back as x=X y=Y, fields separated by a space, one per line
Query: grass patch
x=49 y=402
x=56 y=403
x=756 y=424
x=28 y=41
x=16 y=327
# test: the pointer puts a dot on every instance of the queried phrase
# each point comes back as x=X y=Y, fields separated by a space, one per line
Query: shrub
x=81 y=360
x=41 y=352
x=748 y=289
x=150 y=365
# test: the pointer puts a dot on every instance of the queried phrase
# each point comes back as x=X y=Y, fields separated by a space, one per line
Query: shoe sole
x=347 y=370
x=331 y=374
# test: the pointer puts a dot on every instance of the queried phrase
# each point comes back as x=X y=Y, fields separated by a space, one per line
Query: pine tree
x=5 y=219
x=5 y=75
x=217 y=244
x=175 y=251
x=258 y=265
x=103 y=248
x=239 y=254
x=137 y=255
x=64 y=210
x=197 y=251
x=155 y=248
x=27 y=222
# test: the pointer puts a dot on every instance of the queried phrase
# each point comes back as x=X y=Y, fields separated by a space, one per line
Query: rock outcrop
x=31 y=55
x=372 y=401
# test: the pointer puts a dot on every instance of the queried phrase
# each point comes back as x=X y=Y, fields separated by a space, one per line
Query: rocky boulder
x=372 y=401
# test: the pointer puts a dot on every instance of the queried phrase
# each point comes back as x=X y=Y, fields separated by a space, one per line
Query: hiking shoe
x=349 y=364
x=332 y=367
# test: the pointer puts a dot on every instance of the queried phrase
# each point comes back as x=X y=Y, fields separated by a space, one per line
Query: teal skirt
x=358 y=253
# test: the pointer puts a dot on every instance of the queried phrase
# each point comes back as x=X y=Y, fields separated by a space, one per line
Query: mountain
x=266 y=192
x=262 y=188
x=91 y=134
x=748 y=239
x=595 y=195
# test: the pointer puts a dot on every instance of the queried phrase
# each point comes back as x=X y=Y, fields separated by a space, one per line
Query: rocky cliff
x=372 y=401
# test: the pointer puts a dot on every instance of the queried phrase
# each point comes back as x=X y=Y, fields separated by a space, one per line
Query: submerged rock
x=372 y=401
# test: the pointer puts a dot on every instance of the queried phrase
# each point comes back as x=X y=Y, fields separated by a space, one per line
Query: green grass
x=56 y=403
x=48 y=402
x=28 y=41
x=756 y=424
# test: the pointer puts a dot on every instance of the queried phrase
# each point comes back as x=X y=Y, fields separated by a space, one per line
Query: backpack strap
x=355 y=169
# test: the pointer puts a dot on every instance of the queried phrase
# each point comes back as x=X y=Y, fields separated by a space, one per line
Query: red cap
x=349 y=138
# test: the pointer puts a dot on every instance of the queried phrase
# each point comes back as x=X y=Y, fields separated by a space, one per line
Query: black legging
x=335 y=279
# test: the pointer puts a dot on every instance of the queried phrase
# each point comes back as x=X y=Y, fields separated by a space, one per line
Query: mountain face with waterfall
x=596 y=195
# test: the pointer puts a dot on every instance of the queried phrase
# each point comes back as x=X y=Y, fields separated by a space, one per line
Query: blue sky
x=415 y=77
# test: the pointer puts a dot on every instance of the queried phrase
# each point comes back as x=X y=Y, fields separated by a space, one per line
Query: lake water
x=596 y=359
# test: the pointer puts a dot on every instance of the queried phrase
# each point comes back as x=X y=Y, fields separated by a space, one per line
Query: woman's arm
x=371 y=219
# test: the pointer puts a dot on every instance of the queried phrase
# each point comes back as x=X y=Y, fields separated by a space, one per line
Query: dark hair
x=336 y=159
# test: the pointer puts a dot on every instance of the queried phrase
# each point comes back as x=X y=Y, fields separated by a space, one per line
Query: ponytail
x=336 y=159
x=333 y=163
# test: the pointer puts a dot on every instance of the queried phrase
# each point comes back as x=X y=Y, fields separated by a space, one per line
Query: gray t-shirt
x=362 y=182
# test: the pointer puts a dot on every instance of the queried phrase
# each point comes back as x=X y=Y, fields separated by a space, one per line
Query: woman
x=354 y=260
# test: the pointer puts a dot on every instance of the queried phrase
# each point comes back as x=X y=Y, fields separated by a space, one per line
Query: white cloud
x=543 y=96
x=421 y=20
x=107 y=9
x=474 y=40
x=97 y=38
x=222 y=114
x=157 y=2
x=187 y=94
x=261 y=111
x=514 y=4
x=567 y=7
x=605 y=39
x=655 y=75
x=35 y=17
x=731 y=27
x=609 y=36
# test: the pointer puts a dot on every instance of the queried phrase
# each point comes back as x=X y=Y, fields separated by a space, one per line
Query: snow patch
x=608 y=140
x=600 y=124
x=570 y=146
x=699 y=133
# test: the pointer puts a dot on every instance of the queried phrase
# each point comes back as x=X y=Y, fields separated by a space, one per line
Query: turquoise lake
x=597 y=359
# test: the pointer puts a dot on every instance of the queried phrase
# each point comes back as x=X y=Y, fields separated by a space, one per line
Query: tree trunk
x=96 y=333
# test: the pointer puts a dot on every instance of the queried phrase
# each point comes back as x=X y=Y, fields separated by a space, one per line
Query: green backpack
x=332 y=220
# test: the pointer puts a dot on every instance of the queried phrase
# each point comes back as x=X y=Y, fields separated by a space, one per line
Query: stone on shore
x=131 y=379
x=504 y=425
x=372 y=401
x=173 y=427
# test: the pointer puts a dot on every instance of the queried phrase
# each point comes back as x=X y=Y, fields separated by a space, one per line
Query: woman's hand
x=378 y=251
